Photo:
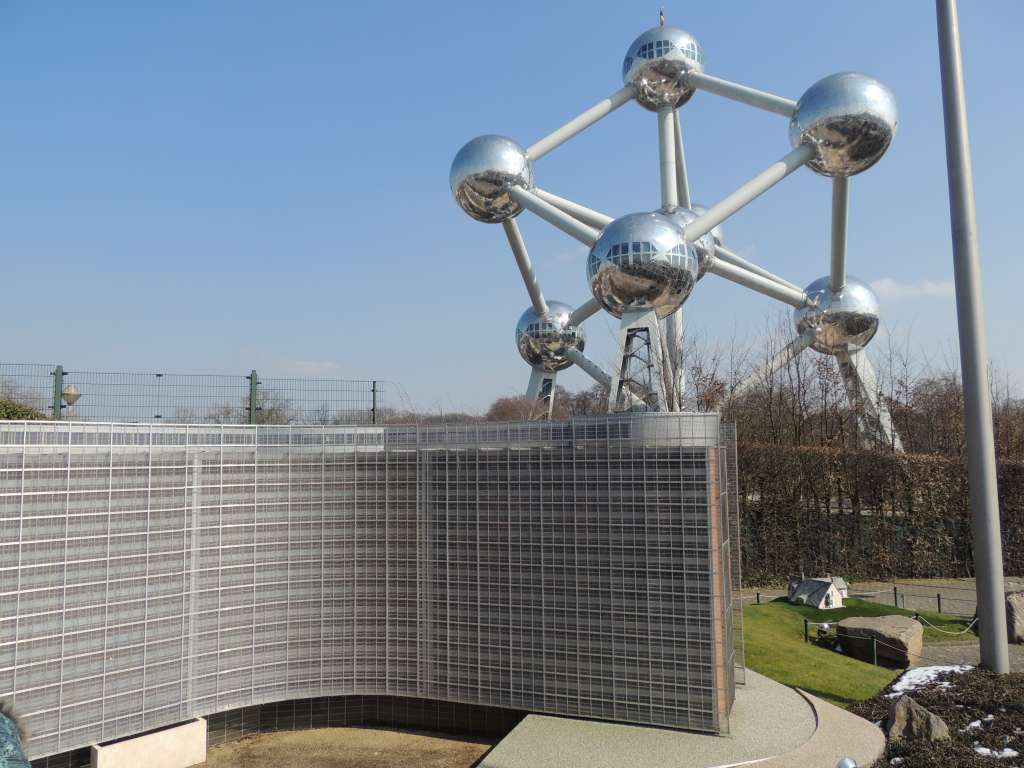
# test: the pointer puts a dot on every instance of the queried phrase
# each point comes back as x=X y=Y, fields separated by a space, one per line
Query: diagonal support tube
x=584 y=311
x=738 y=261
x=741 y=93
x=750 y=191
x=589 y=367
x=682 y=180
x=515 y=239
x=598 y=374
x=755 y=282
x=579 y=123
x=667 y=158
x=588 y=216
x=586 y=235
x=775 y=363
x=862 y=388
x=840 y=217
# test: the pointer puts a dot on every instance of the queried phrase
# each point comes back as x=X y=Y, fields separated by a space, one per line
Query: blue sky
x=212 y=187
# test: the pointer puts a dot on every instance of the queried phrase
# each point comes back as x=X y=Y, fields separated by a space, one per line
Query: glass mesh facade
x=149 y=574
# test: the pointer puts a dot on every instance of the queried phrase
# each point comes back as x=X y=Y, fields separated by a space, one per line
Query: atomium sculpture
x=643 y=266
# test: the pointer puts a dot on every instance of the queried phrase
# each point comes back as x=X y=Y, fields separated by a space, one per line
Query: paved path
x=767 y=719
x=958 y=595
x=966 y=653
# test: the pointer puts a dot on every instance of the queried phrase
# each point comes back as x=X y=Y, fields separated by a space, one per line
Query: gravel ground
x=347 y=748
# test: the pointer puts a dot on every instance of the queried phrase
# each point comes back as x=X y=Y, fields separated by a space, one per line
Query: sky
x=198 y=187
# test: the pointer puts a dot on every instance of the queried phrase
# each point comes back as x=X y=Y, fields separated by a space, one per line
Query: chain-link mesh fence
x=48 y=391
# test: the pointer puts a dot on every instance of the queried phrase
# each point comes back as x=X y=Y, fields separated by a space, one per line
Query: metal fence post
x=874 y=650
x=58 y=391
x=807 y=632
x=938 y=599
x=895 y=597
x=373 y=402
x=254 y=384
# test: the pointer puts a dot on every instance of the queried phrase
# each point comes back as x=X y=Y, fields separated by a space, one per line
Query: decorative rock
x=899 y=639
x=909 y=720
x=1015 y=617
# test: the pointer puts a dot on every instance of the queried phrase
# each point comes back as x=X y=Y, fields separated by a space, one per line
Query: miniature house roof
x=813 y=591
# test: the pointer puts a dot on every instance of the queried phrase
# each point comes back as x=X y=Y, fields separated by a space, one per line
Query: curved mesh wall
x=149 y=574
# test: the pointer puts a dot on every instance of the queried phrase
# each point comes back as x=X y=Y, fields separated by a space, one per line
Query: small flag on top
x=661 y=17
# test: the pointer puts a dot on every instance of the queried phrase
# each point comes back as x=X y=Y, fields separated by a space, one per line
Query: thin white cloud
x=888 y=288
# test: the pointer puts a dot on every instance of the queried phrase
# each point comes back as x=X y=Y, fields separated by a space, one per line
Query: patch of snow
x=971 y=726
x=897 y=761
x=921 y=677
x=998 y=754
x=989 y=718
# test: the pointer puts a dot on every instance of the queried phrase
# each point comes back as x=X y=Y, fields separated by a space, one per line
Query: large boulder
x=909 y=720
x=898 y=639
x=1015 y=617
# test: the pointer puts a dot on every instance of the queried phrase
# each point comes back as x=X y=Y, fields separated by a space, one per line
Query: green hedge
x=865 y=514
x=12 y=410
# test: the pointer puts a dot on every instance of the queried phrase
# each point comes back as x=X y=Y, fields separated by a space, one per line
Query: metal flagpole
x=981 y=459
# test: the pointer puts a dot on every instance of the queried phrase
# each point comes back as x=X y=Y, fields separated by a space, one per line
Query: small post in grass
x=895 y=597
x=807 y=632
x=874 y=650
x=758 y=598
x=938 y=599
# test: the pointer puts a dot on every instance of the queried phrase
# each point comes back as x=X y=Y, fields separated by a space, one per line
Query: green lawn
x=775 y=647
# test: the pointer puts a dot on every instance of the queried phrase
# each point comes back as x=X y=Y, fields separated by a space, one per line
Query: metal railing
x=51 y=391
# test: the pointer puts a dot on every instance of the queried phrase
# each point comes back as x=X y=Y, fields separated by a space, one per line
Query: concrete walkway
x=839 y=734
x=966 y=653
x=768 y=721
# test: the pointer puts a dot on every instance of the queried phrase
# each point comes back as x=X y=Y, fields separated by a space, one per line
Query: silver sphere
x=851 y=118
x=847 y=762
x=655 y=63
x=481 y=174
x=841 y=322
x=703 y=245
x=641 y=262
x=544 y=340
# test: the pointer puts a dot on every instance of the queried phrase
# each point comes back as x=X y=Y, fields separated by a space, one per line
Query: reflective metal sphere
x=851 y=118
x=842 y=322
x=716 y=232
x=544 y=341
x=655 y=63
x=642 y=262
x=481 y=174
x=704 y=245
x=847 y=762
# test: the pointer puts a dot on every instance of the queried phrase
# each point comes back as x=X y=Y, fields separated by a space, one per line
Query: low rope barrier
x=876 y=643
x=946 y=631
